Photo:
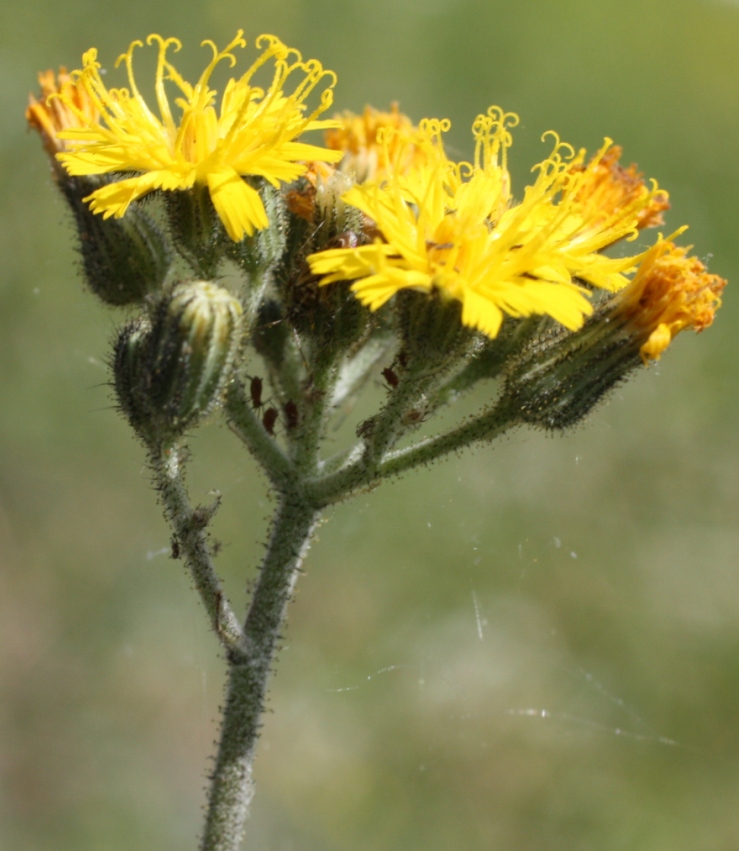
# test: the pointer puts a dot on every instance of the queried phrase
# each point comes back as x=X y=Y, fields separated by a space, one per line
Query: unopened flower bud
x=127 y=363
x=171 y=374
x=123 y=260
x=559 y=379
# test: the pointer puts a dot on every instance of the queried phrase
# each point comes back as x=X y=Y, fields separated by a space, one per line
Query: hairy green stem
x=486 y=427
x=315 y=404
x=232 y=785
x=250 y=650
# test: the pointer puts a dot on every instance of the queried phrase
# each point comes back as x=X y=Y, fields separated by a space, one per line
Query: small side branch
x=189 y=526
x=483 y=428
x=358 y=473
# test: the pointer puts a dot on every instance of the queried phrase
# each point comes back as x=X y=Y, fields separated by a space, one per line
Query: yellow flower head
x=454 y=228
x=252 y=133
x=51 y=114
x=670 y=292
x=370 y=143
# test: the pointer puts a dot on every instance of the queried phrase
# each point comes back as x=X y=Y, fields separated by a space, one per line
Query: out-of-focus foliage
x=534 y=646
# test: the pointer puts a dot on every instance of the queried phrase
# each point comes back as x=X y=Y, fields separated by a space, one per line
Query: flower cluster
x=377 y=230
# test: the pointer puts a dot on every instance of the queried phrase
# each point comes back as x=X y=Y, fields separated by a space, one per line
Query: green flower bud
x=128 y=354
x=172 y=372
x=123 y=260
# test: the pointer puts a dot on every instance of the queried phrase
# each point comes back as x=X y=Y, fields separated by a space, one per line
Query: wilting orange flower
x=670 y=292
x=609 y=189
x=454 y=228
x=368 y=149
x=51 y=113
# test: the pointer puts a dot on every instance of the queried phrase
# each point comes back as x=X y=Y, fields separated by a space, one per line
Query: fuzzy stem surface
x=232 y=783
x=247 y=426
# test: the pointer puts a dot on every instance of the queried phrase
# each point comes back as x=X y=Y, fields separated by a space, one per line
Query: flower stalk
x=232 y=786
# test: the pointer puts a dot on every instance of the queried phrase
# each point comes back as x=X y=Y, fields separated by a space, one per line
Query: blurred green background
x=533 y=646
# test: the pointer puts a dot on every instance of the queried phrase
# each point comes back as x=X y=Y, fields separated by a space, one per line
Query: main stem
x=232 y=784
x=302 y=497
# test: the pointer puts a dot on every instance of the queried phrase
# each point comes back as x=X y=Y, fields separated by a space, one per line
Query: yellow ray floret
x=454 y=228
x=670 y=292
x=253 y=133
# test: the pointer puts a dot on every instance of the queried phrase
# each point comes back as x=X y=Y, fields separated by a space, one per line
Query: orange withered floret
x=301 y=201
x=375 y=141
x=669 y=293
x=609 y=187
x=50 y=113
